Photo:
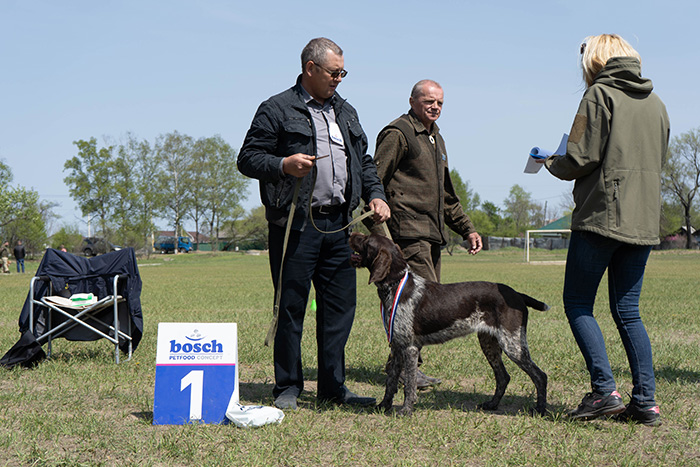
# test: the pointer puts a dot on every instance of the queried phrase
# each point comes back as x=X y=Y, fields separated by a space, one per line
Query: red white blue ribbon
x=389 y=323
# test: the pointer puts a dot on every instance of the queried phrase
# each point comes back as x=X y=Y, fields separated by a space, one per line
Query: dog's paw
x=385 y=405
x=489 y=405
x=404 y=411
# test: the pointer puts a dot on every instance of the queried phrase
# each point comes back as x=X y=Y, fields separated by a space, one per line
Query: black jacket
x=282 y=126
x=19 y=252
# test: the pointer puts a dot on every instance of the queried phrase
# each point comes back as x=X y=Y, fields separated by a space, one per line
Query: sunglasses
x=334 y=74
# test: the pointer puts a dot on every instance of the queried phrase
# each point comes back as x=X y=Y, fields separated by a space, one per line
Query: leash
x=350 y=224
x=278 y=293
x=272 y=330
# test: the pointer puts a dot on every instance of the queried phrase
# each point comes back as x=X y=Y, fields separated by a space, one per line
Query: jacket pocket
x=357 y=134
x=297 y=136
x=412 y=225
x=279 y=194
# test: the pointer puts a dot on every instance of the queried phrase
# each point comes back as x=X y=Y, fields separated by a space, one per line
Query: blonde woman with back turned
x=617 y=146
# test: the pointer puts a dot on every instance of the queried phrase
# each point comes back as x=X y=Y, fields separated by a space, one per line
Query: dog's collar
x=389 y=320
x=389 y=286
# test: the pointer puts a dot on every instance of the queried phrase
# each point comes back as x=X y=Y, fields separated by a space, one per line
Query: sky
x=73 y=70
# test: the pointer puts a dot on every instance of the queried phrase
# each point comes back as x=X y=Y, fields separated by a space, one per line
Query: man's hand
x=382 y=213
x=475 y=244
x=298 y=165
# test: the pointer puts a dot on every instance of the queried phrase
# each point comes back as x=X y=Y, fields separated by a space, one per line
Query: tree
x=174 y=155
x=493 y=213
x=23 y=216
x=90 y=181
x=681 y=175
x=251 y=232
x=521 y=208
x=469 y=201
x=135 y=168
x=218 y=187
x=67 y=236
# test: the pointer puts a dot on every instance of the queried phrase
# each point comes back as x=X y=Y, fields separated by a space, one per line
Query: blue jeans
x=588 y=257
x=20 y=261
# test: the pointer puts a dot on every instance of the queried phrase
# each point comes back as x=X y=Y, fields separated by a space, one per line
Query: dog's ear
x=380 y=266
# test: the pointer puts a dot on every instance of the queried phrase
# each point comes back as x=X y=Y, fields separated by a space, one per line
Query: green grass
x=79 y=408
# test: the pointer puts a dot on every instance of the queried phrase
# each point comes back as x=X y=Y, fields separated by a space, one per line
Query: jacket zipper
x=616 y=198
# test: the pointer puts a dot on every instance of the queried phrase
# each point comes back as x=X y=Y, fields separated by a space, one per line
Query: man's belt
x=327 y=210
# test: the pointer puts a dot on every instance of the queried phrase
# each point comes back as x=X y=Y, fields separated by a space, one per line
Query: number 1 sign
x=196 y=376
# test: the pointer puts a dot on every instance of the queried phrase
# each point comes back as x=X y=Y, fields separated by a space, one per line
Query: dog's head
x=379 y=254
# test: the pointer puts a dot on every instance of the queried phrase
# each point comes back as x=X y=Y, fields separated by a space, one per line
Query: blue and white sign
x=196 y=372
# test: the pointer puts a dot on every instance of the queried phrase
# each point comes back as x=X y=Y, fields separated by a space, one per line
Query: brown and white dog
x=419 y=312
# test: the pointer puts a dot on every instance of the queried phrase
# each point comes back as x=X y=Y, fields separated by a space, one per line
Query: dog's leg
x=492 y=351
x=518 y=351
x=393 y=369
x=410 y=366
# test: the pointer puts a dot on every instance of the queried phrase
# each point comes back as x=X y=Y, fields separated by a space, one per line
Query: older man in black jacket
x=309 y=133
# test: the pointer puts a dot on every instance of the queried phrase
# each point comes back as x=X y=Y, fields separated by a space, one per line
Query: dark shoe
x=351 y=399
x=649 y=416
x=286 y=401
x=423 y=381
x=595 y=405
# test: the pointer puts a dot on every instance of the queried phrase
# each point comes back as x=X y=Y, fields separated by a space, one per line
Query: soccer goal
x=544 y=240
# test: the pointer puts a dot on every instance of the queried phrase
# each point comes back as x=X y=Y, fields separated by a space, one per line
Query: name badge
x=334 y=133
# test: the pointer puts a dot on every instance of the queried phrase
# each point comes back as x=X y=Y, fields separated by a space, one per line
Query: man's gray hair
x=417 y=90
x=317 y=49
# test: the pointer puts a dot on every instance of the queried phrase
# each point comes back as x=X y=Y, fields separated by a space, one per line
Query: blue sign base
x=192 y=393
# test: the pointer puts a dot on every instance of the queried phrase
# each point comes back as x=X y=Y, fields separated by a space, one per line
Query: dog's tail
x=534 y=303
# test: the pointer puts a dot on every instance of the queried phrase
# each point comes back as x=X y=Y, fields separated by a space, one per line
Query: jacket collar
x=418 y=125
x=335 y=101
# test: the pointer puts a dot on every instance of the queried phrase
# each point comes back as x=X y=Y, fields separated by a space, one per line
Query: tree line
x=125 y=187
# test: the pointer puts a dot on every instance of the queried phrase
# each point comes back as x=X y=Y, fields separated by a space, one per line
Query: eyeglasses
x=334 y=74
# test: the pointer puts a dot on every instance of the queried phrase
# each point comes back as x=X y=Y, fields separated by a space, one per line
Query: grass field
x=79 y=408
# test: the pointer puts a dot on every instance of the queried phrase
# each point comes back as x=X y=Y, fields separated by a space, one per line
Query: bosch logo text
x=196 y=351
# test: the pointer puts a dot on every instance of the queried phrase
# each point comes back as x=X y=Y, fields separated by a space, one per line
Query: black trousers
x=324 y=260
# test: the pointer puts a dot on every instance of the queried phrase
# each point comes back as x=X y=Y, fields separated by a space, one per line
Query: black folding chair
x=91 y=317
x=115 y=315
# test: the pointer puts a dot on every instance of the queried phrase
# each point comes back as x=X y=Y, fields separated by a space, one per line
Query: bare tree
x=681 y=175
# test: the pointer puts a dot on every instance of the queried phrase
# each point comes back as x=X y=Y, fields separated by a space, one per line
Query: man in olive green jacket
x=412 y=164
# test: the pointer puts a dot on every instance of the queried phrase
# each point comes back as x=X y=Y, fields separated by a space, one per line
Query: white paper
x=253 y=416
x=536 y=153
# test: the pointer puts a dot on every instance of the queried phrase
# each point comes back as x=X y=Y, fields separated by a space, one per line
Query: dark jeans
x=323 y=259
x=20 y=261
x=588 y=257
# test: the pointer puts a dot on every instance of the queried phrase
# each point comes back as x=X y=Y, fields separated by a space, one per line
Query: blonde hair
x=597 y=50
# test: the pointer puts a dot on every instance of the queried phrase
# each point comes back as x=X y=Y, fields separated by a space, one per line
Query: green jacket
x=617 y=146
x=412 y=165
